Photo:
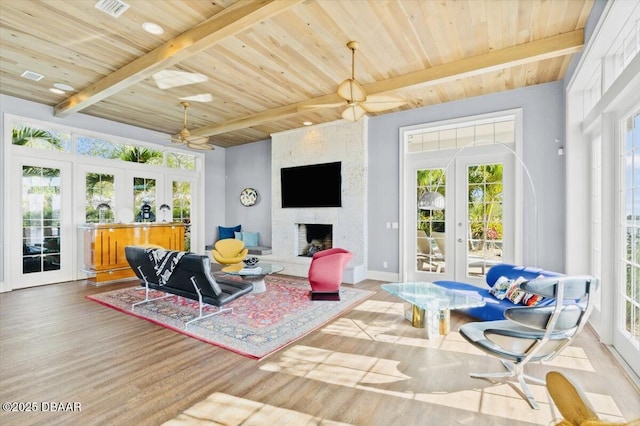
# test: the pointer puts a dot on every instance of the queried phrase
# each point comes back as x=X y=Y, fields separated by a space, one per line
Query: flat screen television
x=314 y=185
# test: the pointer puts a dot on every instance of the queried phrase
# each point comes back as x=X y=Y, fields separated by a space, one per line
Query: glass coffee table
x=253 y=275
x=431 y=304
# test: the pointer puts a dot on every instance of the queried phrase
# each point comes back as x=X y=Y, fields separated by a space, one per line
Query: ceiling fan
x=358 y=103
x=184 y=137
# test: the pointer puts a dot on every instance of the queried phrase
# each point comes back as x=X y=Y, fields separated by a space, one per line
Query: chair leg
x=527 y=392
x=515 y=370
x=147 y=299
x=199 y=317
x=201 y=304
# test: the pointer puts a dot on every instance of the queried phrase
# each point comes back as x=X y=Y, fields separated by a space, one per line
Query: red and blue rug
x=260 y=324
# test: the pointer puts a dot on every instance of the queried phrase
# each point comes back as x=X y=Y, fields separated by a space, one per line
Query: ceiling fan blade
x=351 y=91
x=202 y=97
x=333 y=105
x=377 y=103
x=353 y=113
x=197 y=140
x=203 y=147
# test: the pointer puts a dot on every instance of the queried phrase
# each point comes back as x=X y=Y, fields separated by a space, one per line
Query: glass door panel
x=430 y=228
x=42 y=224
x=100 y=203
x=41 y=201
x=144 y=198
x=627 y=327
x=181 y=212
x=484 y=217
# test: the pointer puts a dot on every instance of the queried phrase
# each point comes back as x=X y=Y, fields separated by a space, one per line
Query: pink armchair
x=325 y=273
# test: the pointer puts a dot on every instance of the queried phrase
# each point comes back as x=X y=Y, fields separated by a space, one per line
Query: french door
x=459 y=215
x=626 y=321
x=41 y=229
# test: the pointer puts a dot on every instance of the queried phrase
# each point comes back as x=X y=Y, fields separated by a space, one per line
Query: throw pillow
x=500 y=287
x=250 y=239
x=238 y=235
x=530 y=299
x=228 y=232
x=514 y=294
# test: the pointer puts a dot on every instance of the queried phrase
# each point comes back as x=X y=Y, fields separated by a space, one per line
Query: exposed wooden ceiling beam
x=546 y=48
x=230 y=21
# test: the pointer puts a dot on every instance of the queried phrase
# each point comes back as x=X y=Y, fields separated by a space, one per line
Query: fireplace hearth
x=313 y=238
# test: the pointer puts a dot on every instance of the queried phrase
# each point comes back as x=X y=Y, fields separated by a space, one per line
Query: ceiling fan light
x=351 y=91
x=353 y=113
x=198 y=140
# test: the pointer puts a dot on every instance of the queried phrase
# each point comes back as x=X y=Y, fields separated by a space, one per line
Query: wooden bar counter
x=104 y=245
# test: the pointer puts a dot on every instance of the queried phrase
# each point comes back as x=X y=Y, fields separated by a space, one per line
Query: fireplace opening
x=313 y=238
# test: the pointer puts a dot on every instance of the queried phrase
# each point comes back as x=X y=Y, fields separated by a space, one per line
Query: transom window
x=39 y=137
x=486 y=131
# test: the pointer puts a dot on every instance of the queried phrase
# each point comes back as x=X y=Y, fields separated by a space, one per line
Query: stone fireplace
x=338 y=141
x=313 y=237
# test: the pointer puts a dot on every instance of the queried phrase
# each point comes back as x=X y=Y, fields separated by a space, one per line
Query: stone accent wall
x=336 y=141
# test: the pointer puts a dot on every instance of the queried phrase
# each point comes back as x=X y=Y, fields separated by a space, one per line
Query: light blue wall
x=249 y=166
x=543 y=122
x=214 y=194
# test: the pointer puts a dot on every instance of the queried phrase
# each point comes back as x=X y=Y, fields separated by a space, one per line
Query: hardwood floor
x=368 y=367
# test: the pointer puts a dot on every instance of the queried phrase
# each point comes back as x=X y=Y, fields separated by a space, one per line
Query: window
x=40 y=219
x=100 y=205
x=144 y=194
x=488 y=131
x=94 y=147
x=40 y=138
x=181 y=161
x=181 y=195
x=630 y=290
x=136 y=154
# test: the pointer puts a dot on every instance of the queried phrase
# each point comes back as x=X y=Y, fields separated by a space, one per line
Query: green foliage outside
x=484 y=201
x=431 y=180
x=38 y=138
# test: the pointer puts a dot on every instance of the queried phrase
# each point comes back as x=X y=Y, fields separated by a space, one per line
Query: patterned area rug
x=260 y=324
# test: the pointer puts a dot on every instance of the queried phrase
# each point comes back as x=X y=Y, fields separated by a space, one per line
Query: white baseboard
x=383 y=276
x=4 y=287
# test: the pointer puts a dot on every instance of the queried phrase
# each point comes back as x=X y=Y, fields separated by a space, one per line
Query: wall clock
x=248 y=197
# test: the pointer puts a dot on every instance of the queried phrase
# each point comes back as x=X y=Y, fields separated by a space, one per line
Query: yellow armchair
x=229 y=251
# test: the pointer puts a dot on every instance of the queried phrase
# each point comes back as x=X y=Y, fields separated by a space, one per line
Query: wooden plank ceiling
x=266 y=61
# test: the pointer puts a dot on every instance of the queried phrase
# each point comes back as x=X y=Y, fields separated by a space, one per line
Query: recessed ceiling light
x=307 y=123
x=63 y=86
x=152 y=28
x=57 y=91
